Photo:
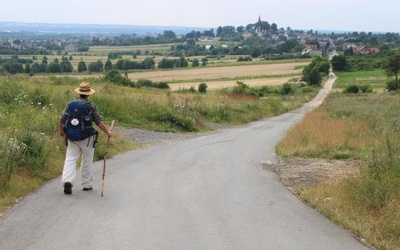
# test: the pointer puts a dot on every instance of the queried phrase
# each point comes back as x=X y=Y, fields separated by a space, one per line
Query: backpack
x=78 y=125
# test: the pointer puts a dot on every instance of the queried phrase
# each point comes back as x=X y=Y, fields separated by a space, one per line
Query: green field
x=375 y=79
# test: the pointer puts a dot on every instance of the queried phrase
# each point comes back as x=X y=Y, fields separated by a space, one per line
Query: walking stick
x=105 y=158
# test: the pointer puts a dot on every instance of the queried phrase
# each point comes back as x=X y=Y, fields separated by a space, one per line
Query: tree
x=166 y=63
x=66 y=65
x=35 y=68
x=169 y=34
x=256 y=52
x=274 y=28
x=195 y=62
x=339 y=63
x=191 y=43
x=44 y=60
x=314 y=77
x=240 y=29
x=209 y=33
x=181 y=63
x=219 y=31
x=204 y=61
x=312 y=73
x=108 y=65
x=54 y=67
x=392 y=68
x=27 y=68
x=82 y=66
x=96 y=66
x=149 y=63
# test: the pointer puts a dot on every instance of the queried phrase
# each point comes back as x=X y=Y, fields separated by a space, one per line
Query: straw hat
x=84 y=89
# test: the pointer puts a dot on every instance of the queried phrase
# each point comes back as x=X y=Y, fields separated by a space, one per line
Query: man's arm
x=104 y=128
x=61 y=129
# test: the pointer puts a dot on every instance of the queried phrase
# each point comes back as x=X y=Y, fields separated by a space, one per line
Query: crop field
x=104 y=50
x=220 y=77
x=375 y=79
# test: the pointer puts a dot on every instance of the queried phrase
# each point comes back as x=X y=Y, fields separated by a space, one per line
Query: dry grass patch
x=317 y=134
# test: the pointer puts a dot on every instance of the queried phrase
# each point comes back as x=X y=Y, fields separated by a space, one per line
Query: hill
x=93 y=28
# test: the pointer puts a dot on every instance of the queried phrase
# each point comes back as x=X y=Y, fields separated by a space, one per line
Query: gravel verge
x=298 y=172
x=151 y=137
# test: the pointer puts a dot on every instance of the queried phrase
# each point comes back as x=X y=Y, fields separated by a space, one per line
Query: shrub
x=180 y=123
x=286 y=89
x=11 y=155
x=307 y=89
x=202 y=87
x=145 y=83
x=365 y=88
x=162 y=85
x=241 y=88
x=115 y=76
x=391 y=85
x=352 y=89
x=244 y=59
x=35 y=153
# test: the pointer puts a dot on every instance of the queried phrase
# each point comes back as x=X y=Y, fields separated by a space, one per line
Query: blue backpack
x=78 y=125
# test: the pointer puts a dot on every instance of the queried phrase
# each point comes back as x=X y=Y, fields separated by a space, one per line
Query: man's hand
x=110 y=133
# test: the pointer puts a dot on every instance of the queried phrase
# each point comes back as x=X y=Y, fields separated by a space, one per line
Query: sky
x=323 y=15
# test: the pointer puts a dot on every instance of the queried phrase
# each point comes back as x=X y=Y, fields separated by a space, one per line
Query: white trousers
x=76 y=149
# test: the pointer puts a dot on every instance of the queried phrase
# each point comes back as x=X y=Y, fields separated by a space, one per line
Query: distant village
x=314 y=43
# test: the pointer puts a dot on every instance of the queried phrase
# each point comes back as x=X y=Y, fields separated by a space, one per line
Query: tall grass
x=365 y=127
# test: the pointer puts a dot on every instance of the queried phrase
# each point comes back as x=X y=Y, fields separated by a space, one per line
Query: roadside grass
x=32 y=152
x=363 y=127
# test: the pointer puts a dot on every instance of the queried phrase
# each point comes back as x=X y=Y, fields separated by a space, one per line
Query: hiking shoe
x=67 y=188
x=87 y=188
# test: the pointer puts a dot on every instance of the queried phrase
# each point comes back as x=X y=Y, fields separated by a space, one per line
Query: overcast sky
x=337 y=15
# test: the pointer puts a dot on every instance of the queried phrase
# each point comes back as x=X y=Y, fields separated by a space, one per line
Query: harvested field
x=220 y=72
x=220 y=77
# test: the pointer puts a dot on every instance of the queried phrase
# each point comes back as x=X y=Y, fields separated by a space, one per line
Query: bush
x=35 y=153
x=286 y=89
x=180 y=123
x=145 y=83
x=115 y=76
x=162 y=85
x=391 y=85
x=202 y=87
x=245 y=59
x=241 y=88
x=352 y=89
x=307 y=89
x=12 y=154
x=365 y=88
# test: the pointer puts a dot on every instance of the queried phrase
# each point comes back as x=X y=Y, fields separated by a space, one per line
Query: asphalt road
x=208 y=192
